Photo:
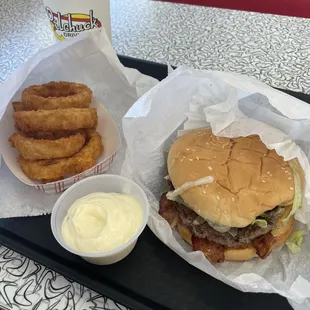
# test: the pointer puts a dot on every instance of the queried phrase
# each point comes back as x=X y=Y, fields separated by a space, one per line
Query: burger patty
x=241 y=237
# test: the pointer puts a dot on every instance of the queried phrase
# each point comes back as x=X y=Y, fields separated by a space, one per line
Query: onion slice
x=186 y=186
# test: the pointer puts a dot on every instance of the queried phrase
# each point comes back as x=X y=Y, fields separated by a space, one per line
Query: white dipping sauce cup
x=107 y=183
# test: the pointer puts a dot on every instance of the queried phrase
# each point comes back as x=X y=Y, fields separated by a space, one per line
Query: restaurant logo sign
x=70 y=25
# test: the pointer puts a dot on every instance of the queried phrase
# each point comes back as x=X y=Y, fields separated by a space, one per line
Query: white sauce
x=101 y=222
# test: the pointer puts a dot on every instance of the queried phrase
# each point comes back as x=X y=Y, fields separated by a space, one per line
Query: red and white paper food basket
x=88 y=59
x=110 y=139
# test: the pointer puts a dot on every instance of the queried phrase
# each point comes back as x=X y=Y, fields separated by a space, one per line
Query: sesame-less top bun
x=249 y=178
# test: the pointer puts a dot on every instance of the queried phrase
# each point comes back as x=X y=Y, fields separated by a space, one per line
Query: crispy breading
x=52 y=120
x=59 y=168
x=35 y=149
x=56 y=95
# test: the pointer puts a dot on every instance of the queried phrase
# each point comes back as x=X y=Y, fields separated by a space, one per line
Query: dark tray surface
x=152 y=276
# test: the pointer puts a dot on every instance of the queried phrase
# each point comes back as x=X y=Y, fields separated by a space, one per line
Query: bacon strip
x=213 y=251
x=263 y=245
x=168 y=210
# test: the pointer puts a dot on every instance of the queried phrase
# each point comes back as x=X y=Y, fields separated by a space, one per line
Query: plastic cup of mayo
x=93 y=217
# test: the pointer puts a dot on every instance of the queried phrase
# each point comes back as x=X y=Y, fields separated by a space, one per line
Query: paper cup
x=110 y=138
x=103 y=183
x=71 y=17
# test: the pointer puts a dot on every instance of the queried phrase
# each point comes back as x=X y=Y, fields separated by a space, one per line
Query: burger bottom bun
x=281 y=234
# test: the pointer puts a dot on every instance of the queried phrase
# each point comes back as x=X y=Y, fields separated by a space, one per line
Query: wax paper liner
x=232 y=105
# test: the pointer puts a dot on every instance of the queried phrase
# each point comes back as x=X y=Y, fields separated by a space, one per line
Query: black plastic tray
x=152 y=276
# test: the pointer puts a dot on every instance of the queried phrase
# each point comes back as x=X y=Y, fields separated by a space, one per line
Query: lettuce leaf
x=295 y=240
x=264 y=215
x=218 y=227
x=298 y=190
x=260 y=223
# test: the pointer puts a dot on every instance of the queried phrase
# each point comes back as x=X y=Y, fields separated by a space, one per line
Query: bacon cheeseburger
x=232 y=199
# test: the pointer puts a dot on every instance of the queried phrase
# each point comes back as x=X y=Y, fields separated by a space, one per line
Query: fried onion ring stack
x=57 y=131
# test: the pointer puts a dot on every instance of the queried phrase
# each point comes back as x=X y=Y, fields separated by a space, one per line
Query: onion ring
x=56 y=95
x=52 y=120
x=35 y=149
x=18 y=106
x=58 y=168
x=53 y=135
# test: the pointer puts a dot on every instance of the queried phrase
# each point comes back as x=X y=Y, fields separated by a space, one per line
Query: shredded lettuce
x=260 y=223
x=294 y=241
x=264 y=215
x=298 y=190
x=218 y=227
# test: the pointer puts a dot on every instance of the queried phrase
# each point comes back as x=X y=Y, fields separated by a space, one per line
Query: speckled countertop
x=275 y=49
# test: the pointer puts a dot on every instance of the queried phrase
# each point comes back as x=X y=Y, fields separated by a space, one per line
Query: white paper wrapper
x=88 y=59
x=190 y=99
